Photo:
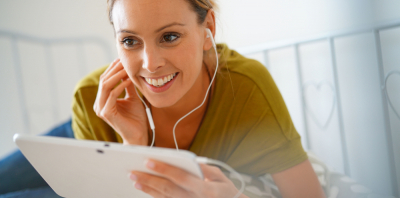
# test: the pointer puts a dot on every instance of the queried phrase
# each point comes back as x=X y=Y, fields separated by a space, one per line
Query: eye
x=127 y=42
x=170 y=37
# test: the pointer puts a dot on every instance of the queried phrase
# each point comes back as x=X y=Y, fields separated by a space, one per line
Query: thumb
x=212 y=173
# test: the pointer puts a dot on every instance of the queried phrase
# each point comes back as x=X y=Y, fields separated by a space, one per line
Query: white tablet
x=82 y=168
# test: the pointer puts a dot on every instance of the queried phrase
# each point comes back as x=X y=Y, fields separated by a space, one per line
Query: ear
x=209 y=22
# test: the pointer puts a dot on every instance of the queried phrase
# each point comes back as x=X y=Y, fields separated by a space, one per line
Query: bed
x=41 y=91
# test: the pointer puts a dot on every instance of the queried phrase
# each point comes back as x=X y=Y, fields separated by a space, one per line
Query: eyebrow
x=158 y=30
x=169 y=25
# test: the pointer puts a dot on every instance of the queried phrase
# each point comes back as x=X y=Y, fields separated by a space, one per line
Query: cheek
x=189 y=59
x=131 y=64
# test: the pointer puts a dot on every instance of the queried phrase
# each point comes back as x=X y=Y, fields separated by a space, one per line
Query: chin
x=161 y=103
x=163 y=100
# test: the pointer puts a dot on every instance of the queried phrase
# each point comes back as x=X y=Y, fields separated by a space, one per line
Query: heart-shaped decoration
x=320 y=100
x=394 y=94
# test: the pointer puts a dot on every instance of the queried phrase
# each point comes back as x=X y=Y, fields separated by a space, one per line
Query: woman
x=165 y=53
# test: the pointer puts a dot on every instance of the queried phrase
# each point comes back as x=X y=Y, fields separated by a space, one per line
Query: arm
x=299 y=181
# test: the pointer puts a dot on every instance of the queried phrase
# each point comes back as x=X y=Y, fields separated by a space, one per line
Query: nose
x=152 y=59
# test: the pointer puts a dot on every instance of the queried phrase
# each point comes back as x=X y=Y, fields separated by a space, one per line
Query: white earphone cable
x=149 y=117
x=205 y=97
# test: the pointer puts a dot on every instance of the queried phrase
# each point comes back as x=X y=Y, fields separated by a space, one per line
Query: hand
x=127 y=116
x=177 y=183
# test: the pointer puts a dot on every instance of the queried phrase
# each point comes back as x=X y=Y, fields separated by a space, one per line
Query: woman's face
x=160 y=45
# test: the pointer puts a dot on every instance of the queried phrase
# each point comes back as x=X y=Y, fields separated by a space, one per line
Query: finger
x=102 y=92
x=180 y=177
x=111 y=66
x=130 y=90
x=113 y=96
x=149 y=190
x=115 y=69
x=106 y=87
x=116 y=77
x=212 y=173
x=164 y=186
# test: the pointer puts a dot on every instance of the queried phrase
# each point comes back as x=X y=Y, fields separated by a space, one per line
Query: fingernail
x=150 y=164
x=132 y=177
x=137 y=186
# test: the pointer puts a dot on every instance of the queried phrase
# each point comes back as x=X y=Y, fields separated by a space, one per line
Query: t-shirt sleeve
x=266 y=139
x=250 y=130
x=85 y=123
x=266 y=134
x=248 y=125
x=80 y=124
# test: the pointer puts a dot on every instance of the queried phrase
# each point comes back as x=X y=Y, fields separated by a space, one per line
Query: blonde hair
x=201 y=8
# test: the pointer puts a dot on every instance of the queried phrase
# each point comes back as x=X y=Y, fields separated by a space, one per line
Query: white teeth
x=161 y=81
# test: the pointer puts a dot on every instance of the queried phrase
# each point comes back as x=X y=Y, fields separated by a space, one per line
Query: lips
x=160 y=84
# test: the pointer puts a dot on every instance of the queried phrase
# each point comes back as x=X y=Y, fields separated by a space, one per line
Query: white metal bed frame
x=386 y=102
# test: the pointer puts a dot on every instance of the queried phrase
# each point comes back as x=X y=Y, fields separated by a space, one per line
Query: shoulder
x=91 y=80
x=85 y=92
x=248 y=77
x=246 y=70
x=247 y=93
x=248 y=124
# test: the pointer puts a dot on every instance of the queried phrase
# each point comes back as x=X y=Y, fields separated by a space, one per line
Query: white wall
x=241 y=23
x=46 y=19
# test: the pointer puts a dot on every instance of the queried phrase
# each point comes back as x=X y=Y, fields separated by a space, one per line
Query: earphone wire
x=205 y=97
x=151 y=125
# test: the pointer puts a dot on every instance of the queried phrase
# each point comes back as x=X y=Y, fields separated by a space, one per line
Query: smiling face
x=160 y=44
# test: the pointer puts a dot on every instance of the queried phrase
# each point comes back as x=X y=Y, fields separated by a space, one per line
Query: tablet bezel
x=87 y=168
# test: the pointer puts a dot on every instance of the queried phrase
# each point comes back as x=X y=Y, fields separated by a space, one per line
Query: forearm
x=298 y=182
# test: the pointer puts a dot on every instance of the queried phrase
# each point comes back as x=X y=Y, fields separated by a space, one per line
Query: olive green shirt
x=246 y=125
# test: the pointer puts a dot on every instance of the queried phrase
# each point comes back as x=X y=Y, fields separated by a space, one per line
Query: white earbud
x=209 y=34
